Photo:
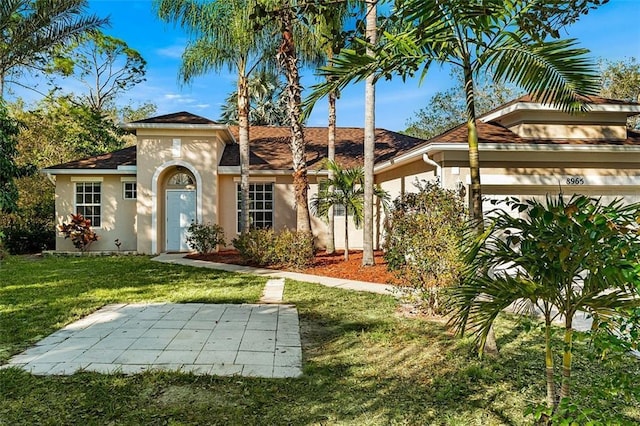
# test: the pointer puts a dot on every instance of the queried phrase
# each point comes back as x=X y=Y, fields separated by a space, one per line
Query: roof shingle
x=109 y=161
x=182 y=117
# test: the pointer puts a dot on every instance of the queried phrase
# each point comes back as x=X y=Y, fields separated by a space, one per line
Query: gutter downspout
x=439 y=170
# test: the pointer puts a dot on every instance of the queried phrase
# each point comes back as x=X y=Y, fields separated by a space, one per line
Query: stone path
x=250 y=340
x=273 y=291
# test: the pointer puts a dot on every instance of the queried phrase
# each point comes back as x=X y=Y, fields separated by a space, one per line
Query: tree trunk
x=289 y=62
x=346 y=233
x=474 y=157
x=565 y=388
x=369 y=142
x=243 y=130
x=331 y=148
x=551 y=387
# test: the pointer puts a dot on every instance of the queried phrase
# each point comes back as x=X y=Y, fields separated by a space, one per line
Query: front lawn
x=363 y=363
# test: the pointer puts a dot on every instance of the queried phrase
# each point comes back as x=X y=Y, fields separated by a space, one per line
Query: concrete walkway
x=218 y=339
x=179 y=259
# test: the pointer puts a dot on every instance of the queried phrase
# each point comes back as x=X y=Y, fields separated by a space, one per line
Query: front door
x=181 y=212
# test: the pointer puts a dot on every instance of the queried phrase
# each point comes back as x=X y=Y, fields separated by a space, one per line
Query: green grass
x=363 y=364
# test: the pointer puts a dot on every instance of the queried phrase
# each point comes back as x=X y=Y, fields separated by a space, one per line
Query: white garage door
x=629 y=194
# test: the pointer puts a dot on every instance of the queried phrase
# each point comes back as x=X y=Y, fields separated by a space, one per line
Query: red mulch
x=329 y=265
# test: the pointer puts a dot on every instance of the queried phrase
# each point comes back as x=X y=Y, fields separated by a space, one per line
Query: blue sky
x=610 y=32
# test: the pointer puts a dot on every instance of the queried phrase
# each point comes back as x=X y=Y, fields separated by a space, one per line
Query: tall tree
x=329 y=25
x=267 y=102
x=29 y=29
x=371 y=34
x=9 y=169
x=224 y=36
x=106 y=66
x=445 y=109
x=296 y=42
x=621 y=80
x=504 y=36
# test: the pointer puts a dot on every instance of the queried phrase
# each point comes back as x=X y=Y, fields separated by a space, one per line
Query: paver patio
x=219 y=339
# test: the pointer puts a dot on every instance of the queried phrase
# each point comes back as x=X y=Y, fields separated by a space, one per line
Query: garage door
x=629 y=194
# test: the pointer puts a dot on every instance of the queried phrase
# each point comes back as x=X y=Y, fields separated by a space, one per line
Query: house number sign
x=576 y=180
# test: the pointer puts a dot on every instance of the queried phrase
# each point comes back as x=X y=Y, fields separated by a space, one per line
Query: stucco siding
x=118 y=216
x=157 y=158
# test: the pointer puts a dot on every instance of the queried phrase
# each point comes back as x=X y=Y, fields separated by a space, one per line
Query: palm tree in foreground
x=475 y=35
x=225 y=36
x=345 y=187
x=560 y=257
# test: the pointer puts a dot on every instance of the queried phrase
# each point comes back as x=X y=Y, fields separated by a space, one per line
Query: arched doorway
x=180 y=208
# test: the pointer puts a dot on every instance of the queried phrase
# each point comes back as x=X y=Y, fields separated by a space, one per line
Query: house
x=185 y=168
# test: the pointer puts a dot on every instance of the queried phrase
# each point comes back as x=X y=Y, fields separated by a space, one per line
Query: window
x=88 y=197
x=181 y=179
x=130 y=190
x=260 y=205
x=339 y=210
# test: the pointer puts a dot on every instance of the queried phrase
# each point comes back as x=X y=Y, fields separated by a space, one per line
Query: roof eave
x=531 y=106
x=517 y=147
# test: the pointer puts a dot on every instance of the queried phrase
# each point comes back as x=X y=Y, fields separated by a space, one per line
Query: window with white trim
x=260 y=205
x=129 y=190
x=88 y=201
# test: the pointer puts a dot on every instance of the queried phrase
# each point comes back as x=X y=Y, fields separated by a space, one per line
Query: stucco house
x=185 y=168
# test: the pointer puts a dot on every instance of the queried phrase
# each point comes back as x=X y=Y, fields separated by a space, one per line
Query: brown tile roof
x=182 y=117
x=109 y=161
x=269 y=147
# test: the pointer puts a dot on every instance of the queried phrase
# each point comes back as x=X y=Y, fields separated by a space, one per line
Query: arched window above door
x=181 y=179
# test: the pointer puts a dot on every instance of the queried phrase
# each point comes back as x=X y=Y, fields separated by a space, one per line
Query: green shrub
x=22 y=236
x=422 y=237
x=294 y=249
x=266 y=248
x=79 y=231
x=205 y=237
x=257 y=246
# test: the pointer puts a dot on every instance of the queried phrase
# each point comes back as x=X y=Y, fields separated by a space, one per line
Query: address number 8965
x=575 y=180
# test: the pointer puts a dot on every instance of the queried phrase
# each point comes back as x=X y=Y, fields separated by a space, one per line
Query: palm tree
x=561 y=257
x=225 y=37
x=345 y=188
x=267 y=103
x=328 y=26
x=30 y=29
x=476 y=35
x=297 y=42
x=371 y=34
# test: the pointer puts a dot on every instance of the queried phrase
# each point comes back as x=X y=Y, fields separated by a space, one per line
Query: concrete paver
x=197 y=338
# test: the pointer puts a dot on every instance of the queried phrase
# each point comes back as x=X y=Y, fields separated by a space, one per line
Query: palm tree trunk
x=346 y=233
x=289 y=61
x=551 y=387
x=369 y=141
x=243 y=130
x=565 y=388
x=474 y=157
x=331 y=142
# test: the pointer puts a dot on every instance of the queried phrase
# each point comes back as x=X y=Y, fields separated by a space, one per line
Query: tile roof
x=109 y=161
x=182 y=117
x=270 y=147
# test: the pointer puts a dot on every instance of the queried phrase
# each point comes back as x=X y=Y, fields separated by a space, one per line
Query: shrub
x=22 y=236
x=3 y=252
x=294 y=249
x=205 y=237
x=79 y=231
x=257 y=246
x=266 y=248
x=422 y=237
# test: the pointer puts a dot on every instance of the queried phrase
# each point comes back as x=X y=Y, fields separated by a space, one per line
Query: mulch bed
x=329 y=265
